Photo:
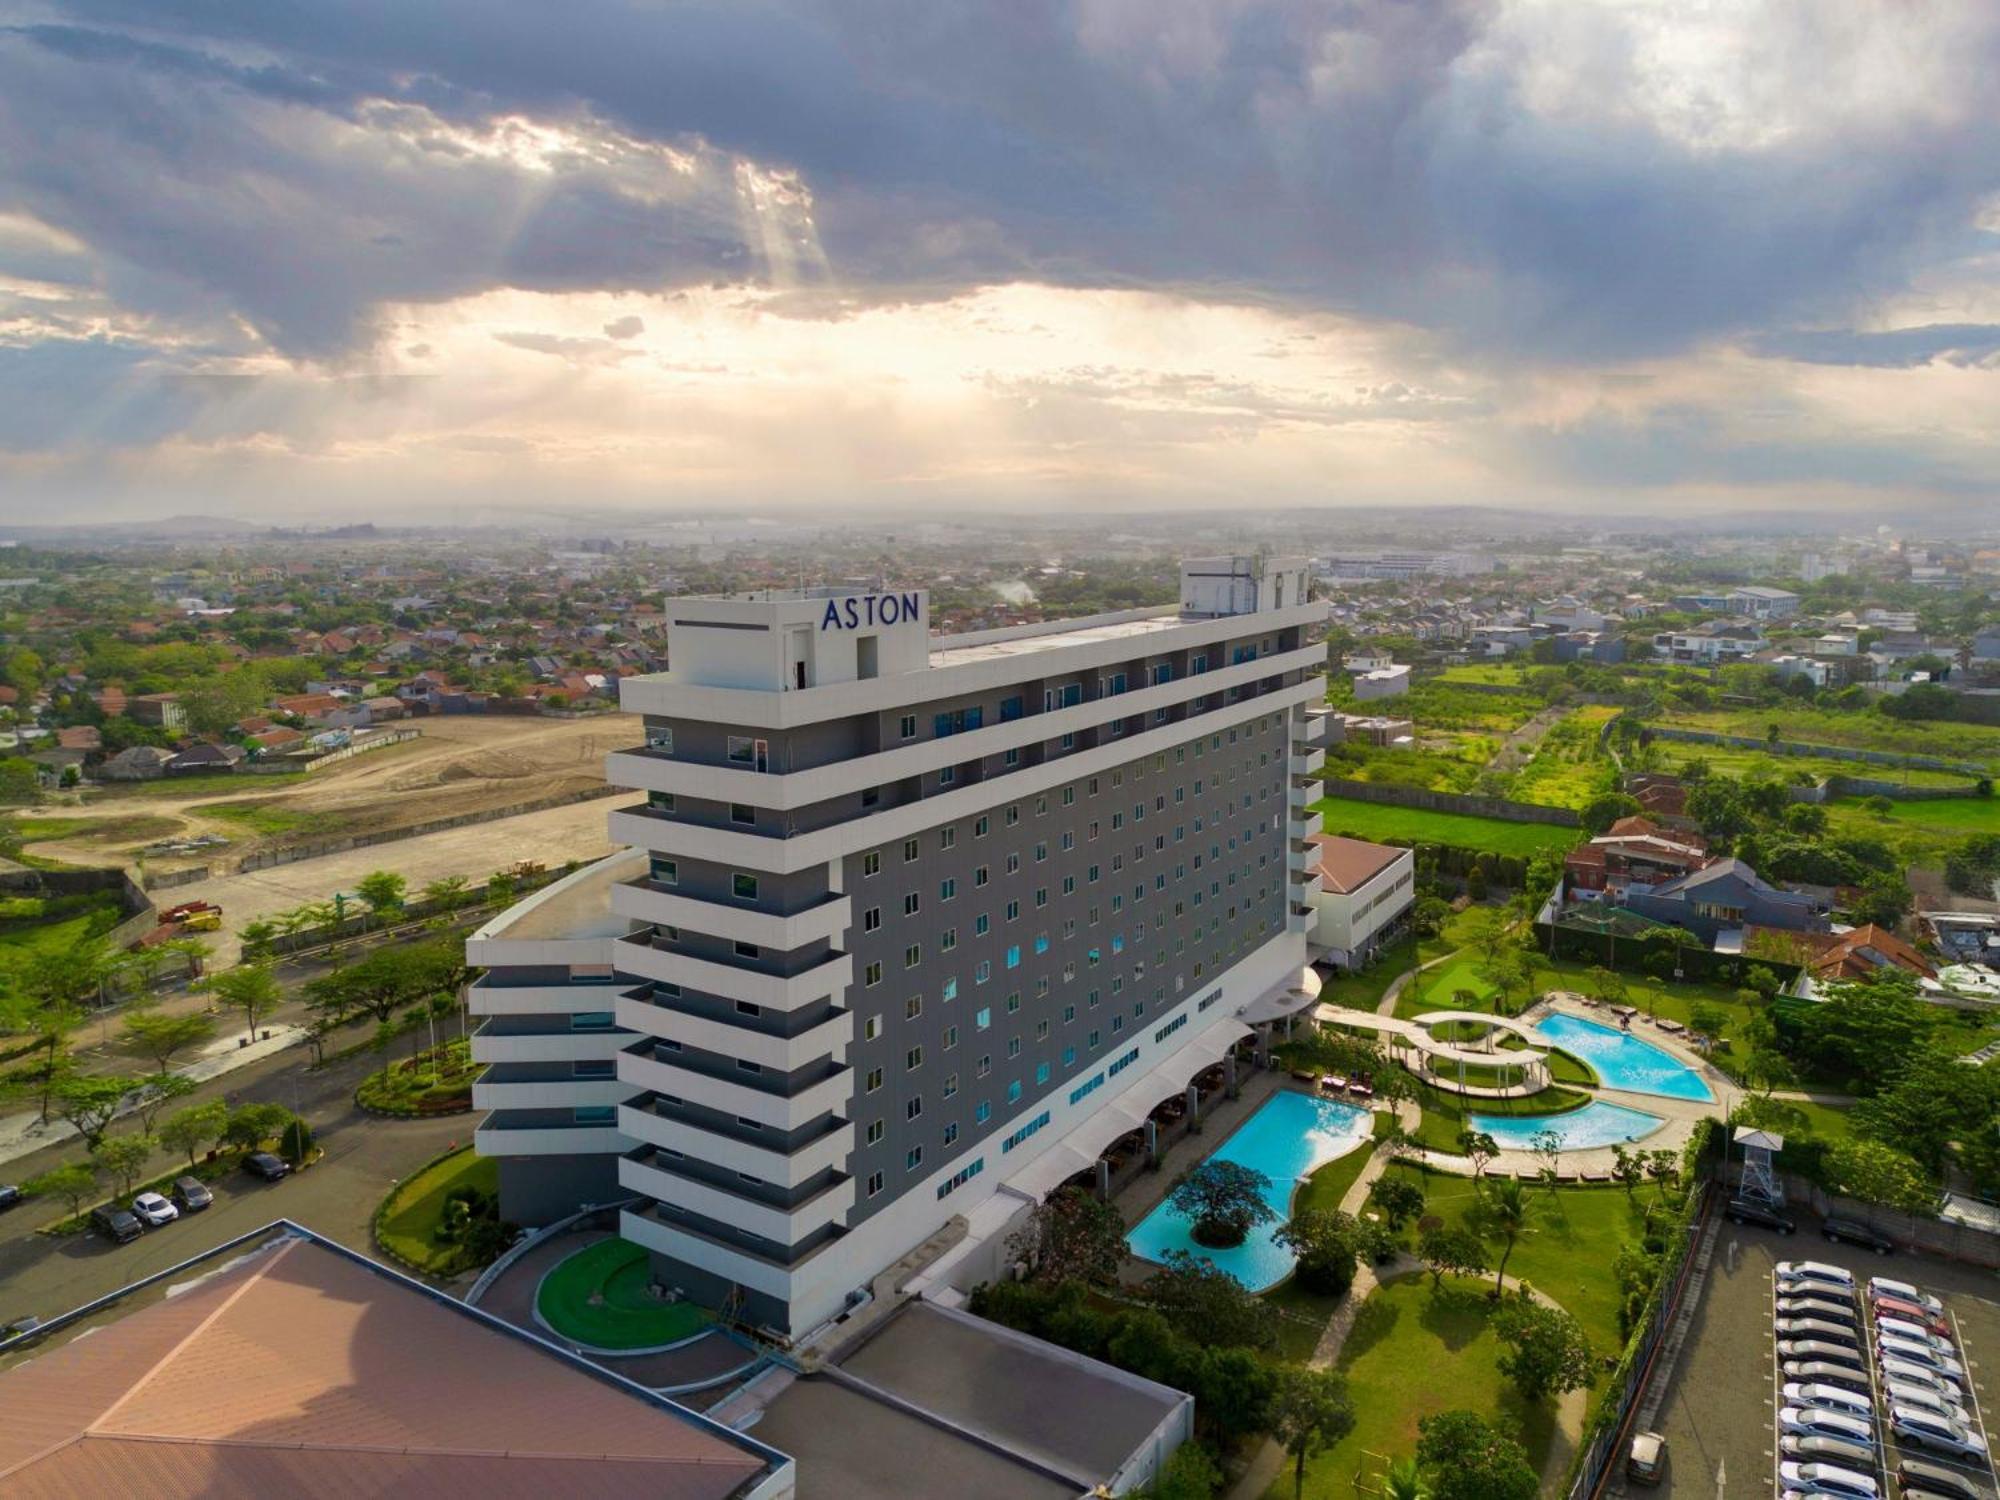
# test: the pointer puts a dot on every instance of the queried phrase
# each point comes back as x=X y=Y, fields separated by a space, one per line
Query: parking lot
x=1721 y=1410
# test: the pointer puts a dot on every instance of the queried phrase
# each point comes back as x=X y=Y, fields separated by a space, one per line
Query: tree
x=1403 y=1480
x=123 y=1157
x=1208 y=1305
x=1504 y=1215
x=1225 y=1199
x=75 y=1183
x=383 y=892
x=1629 y=1167
x=259 y=940
x=153 y=1093
x=1309 y=1410
x=159 y=1035
x=1876 y=1173
x=1469 y=1459
x=88 y=1103
x=1327 y=1243
x=1428 y=914
x=1885 y=900
x=1861 y=1022
x=1706 y=1021
x=1548 y=1148
x=1191 y=1474
x=251 y=988
x=55 y=983
x=194 y=1128
x=1663 y=1167
x=1072 y=1236
x=1450 y=1251
x=250 y=1125
x=1601 y=811
x=448 y=893
x=295 y=1141
x=1928 y=1106
x=1480 y=1148
x=388 y=980
x=1547 y=1352
x=1398 y=1197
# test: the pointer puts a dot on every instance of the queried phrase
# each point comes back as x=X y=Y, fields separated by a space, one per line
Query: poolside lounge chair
x=1361 y=1090
x=1333 y=1083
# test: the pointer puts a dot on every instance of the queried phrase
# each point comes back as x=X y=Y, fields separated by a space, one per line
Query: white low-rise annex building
x=1364 y=890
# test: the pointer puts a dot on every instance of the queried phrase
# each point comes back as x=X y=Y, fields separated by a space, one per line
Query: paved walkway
x=25 y=1133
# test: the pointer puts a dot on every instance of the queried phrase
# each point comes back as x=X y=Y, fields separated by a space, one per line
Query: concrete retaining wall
x=281 y=765
x=292 y=854
x=1504 y=809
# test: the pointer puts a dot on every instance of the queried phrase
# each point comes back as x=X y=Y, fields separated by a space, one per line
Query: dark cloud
x=1377 y=157
x=1889 y=349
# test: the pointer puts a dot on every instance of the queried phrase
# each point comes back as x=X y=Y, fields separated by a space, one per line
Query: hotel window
x=947 y=838
x=1013 y=1047
x=743 y=887
x=1011 y=758
x=594 y=1068
x=950 y=1037
x=913 y=955
x=910 y=851
x=666 y=871
x=979 y=877
x=951 y=1133
x=742 y=750
x=980 y=826
x=1014 y=956
x=873 y=973
x=739 y=813
x=913 y=1158
x=983 y=1067
x=745 y=1008
x=871 y=862
x=875 y=1132
x=983 y=971
x=1014 y=1092
x=594 y=1114
x=947 y=890
x=911 y=904
x=871 y=919
x=871 y=1028
x=660 y=739
x=981 y=925
x=1041 y=1074
x=913 y=1007
x=874 y=1183
x=748 y=950
x=983 y=1113
x=982 y=1018
x=913 y=1107
x=873 y=1081
x=592 y=1020
x=950 y=991
x=660 y=801
x=908 y=727
x=950 y=1084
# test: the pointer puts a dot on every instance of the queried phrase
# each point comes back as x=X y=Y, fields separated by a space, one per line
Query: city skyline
x=1532 y=256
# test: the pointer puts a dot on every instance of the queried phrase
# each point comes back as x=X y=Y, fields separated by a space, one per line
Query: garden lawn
x=1440 y=986
x=1369 y=820
x=1363 y=991
x=272 y=818
x=1413 y=1353
x=60 y=936
x=617 y=1273
x=416 y=1207
x=1574 y=1236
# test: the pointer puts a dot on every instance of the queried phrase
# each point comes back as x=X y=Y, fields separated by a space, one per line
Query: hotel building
x=908 y=928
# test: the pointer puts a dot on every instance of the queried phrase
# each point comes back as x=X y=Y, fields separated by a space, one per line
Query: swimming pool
x=1624 y=1061
x=1596 y=1124
x=1288 y=1136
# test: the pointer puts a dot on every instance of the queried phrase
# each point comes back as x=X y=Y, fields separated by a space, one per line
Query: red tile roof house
x=294 y=1367
x=1633 y=852
x=278 y=738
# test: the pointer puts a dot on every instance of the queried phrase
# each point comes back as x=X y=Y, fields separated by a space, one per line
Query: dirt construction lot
x=1720 y=1415
x=462 y=763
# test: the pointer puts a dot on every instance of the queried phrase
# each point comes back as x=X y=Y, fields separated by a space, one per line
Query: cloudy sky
x=265 y=257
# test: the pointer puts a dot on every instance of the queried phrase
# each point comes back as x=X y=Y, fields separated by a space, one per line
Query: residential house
x=1589 y=645
x=278 y=737
x=84 y=737
x=1713 y=641
x=1382 y=682
x=139 y=763
x=161 y=710
x=204 y=757
x=1633 y=852
x=1720 y=900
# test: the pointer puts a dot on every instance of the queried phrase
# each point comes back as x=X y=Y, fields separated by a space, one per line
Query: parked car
x=1749 y=1211
x=1816 y=1328
x=1884 y=1286
x=1833 y=1397
x=1902 y=1393
x=1926 y=1354
x=1854 y=1232
x=1817 y=1307
x=1815 y=1270
x=1826 y=1450
x=153 y=1210
x=1923 y=1429
x=116 y=1224
x=9 y=1196
x=263 y=1164
x=1820 y=1349
x=1903 y=1328
x=1812 y=1421
x=1916 y=1473
x=1646 y=1460
x=1826 y=1372
x=1913 y=1373
x=1827 y=1479
x=1912 y=1312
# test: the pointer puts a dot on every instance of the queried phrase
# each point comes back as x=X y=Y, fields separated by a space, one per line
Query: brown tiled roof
x=297 y=1371
x=1843 y=958
x=1348 y=864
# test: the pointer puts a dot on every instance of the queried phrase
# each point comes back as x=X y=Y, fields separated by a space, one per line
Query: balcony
x=488 y=998
x=663 y=905
x=1317 y=720
x=495 y=1089
x=653 y=1173
x=829 y=1095
x=785 y=1054
x=1307 y=764
x=1300 y=855
x=831 y=1148
x=1298 y=918
x=491 y=1045
x=495 y=1137
x=1306 y=821
x=768 y=1273
x=638 y=955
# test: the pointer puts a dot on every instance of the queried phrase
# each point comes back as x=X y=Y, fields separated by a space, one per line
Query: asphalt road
x=337 y=1196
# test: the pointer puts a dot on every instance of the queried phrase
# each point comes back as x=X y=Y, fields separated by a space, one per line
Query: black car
x=119 y=1225
x=9 y=1195
x=1749 y=1211
x=1854 y=1232
x=191 y=1195
x=263 y=1164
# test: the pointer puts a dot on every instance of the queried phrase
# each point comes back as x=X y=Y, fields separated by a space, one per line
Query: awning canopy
x=1282 y=1000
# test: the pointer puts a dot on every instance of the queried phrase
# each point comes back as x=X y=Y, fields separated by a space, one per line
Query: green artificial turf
x=616 y=1273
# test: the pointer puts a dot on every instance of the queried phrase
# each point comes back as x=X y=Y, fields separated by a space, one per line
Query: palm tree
x=1405 y=1481
x=1507 y=1211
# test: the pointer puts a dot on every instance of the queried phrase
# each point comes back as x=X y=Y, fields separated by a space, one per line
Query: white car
x=1927 y=1355
x=154 y=1210
x=1888 y=1286
x=1826 y=1479
x=1814 y=1421
x=1923 y=1429
x=1815 y=1271
x=1816 y=1307
x=1899 y=1393
x=1903 y=1328
x=1833 y=1397
x=1907 y=1372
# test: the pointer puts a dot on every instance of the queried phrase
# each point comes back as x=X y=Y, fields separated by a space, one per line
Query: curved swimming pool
x=1624 y=1061
x=1289 y=1136
x=1595 y=1124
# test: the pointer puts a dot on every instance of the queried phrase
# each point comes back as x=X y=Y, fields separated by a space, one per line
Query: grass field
x=1369 y=820
x=598 y=1297
x=1759 y=765
x=219 y=785
x=1951 y=815
x=1862 y=730
x=1306 y=1313
x=1413 y=1353
x=416 y=1207
x=272 y=819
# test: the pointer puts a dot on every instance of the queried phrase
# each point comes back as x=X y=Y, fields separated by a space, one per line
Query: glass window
x=743 y=887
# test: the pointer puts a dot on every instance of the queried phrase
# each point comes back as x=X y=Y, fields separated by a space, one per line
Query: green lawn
x=1413 y=1353
x=1369 y=820
x=415 y=1208
x=1439 y=987
x=221 y=784
x=1364 y=991
x=598 y=1297
x=1864 y=730
x=272 y=818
